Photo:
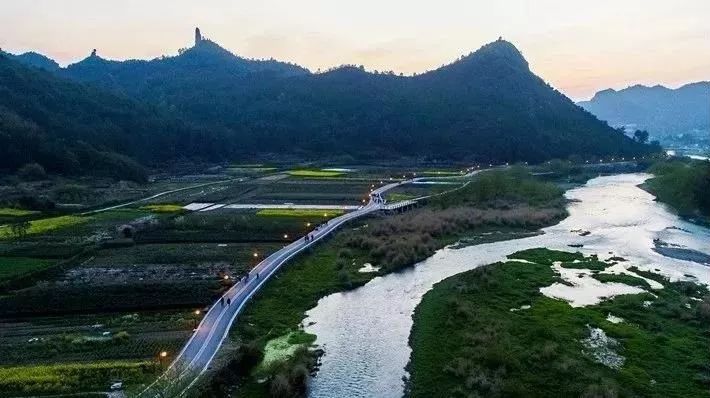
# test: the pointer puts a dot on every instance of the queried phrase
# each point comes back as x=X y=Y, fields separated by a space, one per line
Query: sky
x=579 y=47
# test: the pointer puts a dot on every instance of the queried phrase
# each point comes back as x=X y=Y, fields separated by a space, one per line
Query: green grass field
x=10 y=212
x=45 y=225
x=399 y=197
x=314 y=213
x=14 y=267
x=72 y=378
x=625 y=279
x=314 y=173
x=163 y=208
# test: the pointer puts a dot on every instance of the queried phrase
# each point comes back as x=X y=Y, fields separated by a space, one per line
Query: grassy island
x=490 y=332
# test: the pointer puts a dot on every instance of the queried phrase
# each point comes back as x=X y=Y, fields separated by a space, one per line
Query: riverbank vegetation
x=508 y=201
x=683 y=185
x=490 y=332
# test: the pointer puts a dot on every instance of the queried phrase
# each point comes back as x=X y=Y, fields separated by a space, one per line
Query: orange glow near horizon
x=579 y=47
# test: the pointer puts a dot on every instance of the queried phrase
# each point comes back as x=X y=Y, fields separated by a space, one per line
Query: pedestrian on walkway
x=257 y=275
x=229 y=301
x=221 y=301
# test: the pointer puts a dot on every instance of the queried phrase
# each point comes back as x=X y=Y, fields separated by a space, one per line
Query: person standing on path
x=221 y=301
x=229 y=301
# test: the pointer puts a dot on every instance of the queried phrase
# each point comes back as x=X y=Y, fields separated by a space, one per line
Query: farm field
x=309 y=213
x=305 y=191
x=163 y=208
x=94 y=298
x=406 y=192
x=43 y=225
x=67 y=378
x=13 y=267
x=12 y=212
x=315 y=173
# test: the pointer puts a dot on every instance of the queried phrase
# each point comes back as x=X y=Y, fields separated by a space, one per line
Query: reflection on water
x=365 y=332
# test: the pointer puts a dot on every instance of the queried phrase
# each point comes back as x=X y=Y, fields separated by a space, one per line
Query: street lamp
x=161 y=358
x=285 y=236
x=194 y=320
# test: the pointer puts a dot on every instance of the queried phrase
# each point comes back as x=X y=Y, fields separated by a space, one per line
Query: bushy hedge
x=685 y=186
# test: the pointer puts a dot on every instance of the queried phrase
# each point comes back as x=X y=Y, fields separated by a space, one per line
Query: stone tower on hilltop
x=198 y=37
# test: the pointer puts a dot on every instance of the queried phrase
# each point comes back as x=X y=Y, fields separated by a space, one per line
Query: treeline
x=70 y=128
x=485 y=107
x=684 y=185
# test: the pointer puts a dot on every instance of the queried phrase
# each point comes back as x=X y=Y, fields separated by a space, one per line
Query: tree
x=641 y=136
x=32 y=172
x=702 y=188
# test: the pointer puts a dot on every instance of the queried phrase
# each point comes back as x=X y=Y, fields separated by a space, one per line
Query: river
x=365 y=332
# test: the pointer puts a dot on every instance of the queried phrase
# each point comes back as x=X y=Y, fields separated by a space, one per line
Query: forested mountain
x=34 y=59
x=204 y=66
x=73 y=128
x=660 y=110
x=486 y=107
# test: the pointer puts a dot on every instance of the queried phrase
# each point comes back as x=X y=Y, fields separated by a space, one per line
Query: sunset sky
x=579 y=47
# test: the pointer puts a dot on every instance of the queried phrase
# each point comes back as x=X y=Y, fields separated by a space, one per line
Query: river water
x=365 y=332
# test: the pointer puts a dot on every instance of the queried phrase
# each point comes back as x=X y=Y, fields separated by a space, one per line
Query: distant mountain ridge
x=34 y=59
x=205 y=61
x=660 y=110
x=485 y=107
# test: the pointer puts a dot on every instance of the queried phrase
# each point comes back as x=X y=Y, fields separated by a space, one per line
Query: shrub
x=280 y=387
x=121 y=336
x=32 y=172
x=344 y=278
